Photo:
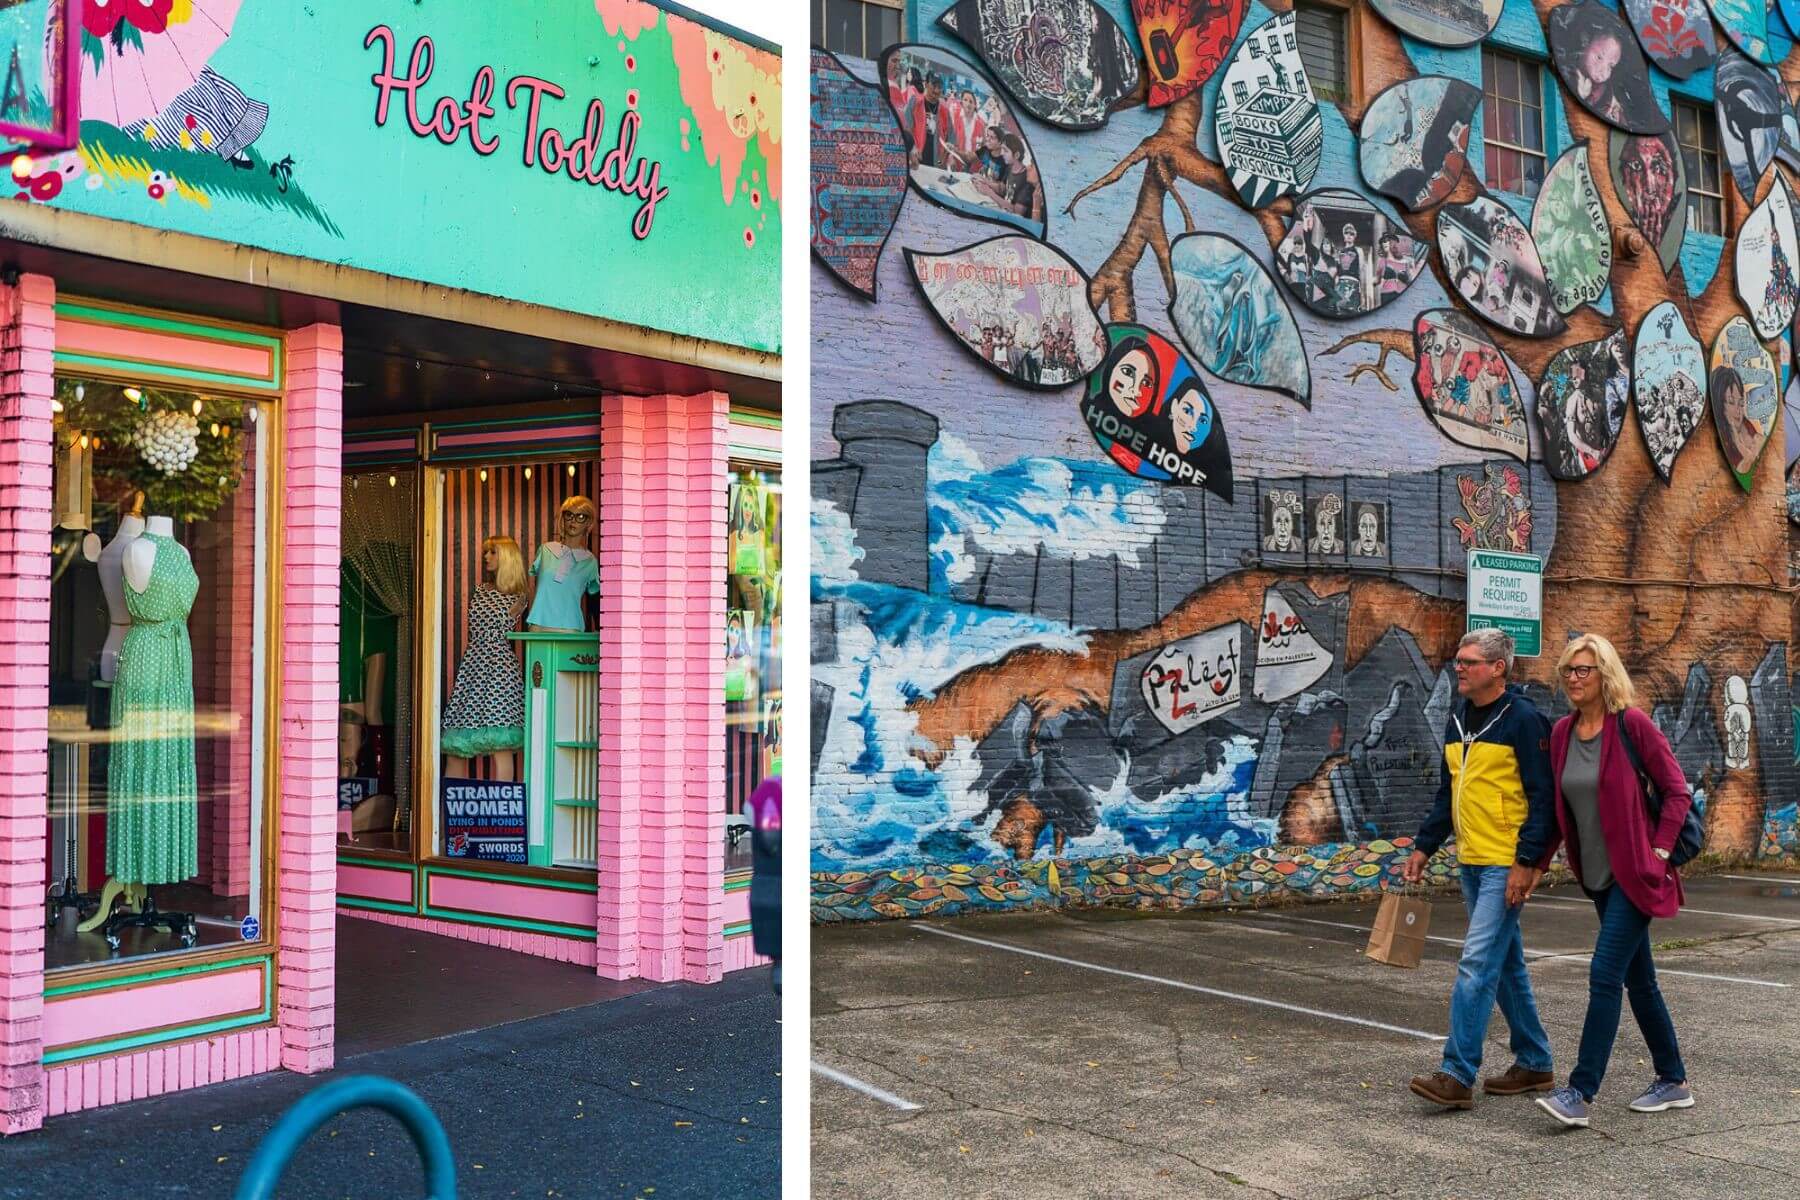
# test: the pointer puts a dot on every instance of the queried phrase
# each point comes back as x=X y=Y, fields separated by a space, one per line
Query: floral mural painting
x=155 y=117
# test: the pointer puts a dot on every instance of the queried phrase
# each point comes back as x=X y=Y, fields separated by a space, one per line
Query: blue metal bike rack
x=356 y=1091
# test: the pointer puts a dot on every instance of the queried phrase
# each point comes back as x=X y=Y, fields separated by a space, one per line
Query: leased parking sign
x=1506 y=592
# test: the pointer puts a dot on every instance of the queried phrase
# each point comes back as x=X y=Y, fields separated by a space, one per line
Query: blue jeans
x=1493 y=963
x=1622 y=962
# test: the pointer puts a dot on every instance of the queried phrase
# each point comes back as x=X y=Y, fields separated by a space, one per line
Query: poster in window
x=484 y=819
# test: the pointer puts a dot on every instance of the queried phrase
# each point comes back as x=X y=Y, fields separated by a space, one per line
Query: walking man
x=1495 y=791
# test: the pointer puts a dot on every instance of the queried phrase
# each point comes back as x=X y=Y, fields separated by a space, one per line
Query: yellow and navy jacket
x=1495 y=791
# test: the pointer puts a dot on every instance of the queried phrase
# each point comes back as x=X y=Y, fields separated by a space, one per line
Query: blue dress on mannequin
x=564 y=576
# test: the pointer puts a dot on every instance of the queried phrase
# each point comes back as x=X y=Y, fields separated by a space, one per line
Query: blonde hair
x=1616 y=691
x=579 y=504
x=509 y=564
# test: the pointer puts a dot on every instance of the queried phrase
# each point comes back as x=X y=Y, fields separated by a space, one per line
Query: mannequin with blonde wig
x=564 y=571
x=486 y=711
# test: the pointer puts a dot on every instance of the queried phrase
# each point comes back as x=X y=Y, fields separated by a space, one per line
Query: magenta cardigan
x=1652 y=885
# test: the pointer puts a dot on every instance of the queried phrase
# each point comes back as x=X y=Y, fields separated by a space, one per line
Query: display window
x=517 y=725
x=377 y=624
x=469 y=700
x=160 y=556
x=752 y=647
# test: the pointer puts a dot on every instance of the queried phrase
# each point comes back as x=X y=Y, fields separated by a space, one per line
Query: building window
x=1324 y=42
x=752 y=647
x=858 y=28
x=1698 y=133
x=1512 y=112
x=157 y=623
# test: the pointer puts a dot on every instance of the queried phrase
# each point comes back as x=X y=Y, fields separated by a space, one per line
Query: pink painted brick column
x=27 y=383
x=662 y=726
x=307 y=847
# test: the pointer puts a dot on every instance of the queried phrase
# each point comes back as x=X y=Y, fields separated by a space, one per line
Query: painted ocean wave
x=1065 y=508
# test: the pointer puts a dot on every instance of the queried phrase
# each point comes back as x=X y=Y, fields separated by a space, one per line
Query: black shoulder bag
x=1693 y=833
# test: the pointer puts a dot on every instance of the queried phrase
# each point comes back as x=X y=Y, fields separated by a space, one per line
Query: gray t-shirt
x=1581 y=789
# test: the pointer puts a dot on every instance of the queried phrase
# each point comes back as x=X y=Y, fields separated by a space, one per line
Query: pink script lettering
x=546 y=147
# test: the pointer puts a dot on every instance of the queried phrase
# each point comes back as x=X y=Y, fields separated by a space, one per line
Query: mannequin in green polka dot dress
x=152 y=814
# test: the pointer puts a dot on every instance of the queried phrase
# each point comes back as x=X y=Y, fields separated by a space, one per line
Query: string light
x=84 y=441
x=80 y=392
x=131 y=394
x=392 y=481
x=484 y=474
x=215 y=429
x=56 y=406
x=528 y=472
x=571 y=470
x=196 y=408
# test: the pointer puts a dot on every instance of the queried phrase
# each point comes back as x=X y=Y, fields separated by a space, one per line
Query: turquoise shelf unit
x=562 y=747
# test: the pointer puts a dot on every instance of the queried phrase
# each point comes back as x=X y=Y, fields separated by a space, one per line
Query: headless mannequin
x=112 y=583
x=137 y=560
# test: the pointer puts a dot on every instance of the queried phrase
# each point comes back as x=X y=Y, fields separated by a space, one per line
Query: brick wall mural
x=1158 y=608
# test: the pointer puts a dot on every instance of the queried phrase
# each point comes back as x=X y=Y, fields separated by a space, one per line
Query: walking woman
x=1622 y=862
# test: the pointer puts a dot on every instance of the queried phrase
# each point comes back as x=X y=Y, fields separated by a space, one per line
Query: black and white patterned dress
x=486 y=712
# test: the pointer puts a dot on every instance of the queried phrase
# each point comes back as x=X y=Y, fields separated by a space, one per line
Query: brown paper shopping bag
x=1401 y=924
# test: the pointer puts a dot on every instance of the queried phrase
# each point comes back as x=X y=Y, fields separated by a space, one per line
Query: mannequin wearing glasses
x=564 y=572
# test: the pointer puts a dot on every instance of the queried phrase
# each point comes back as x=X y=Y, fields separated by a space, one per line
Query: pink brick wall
x=152 y=1072
x=662 y=727
x=306 y=875
x=27 y=347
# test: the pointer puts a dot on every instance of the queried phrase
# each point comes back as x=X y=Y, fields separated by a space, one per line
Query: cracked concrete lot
x=1219 y=1055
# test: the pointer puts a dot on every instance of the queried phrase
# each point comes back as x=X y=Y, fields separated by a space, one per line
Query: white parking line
x=1559 y=955
x=1758 y=878
x=867 y=1089
x=1699 y=912
x=1186 y=987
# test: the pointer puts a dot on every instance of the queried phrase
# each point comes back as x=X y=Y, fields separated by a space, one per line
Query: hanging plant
x=183 y=451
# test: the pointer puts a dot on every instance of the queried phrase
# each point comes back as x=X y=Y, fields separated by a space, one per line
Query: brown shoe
x=1516 y=1081
x=1440 y=1088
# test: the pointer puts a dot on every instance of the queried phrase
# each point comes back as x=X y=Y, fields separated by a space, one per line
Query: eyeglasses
x=1469 y=664
x=1578 y=672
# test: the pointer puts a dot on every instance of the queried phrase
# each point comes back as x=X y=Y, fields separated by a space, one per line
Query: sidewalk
x=1259 y=1054
x=674 y=1089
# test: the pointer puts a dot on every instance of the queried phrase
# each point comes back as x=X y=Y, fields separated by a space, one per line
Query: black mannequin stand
x=149 y=917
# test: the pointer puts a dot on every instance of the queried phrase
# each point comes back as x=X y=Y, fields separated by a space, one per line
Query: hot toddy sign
x=585 y=156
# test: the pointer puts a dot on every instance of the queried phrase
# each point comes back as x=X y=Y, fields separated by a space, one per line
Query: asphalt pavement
x=1260 y=1054
x=671 y=1093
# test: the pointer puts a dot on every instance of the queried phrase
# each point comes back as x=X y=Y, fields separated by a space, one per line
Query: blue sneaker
x=1566 y=1105
x=1663 y=1095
